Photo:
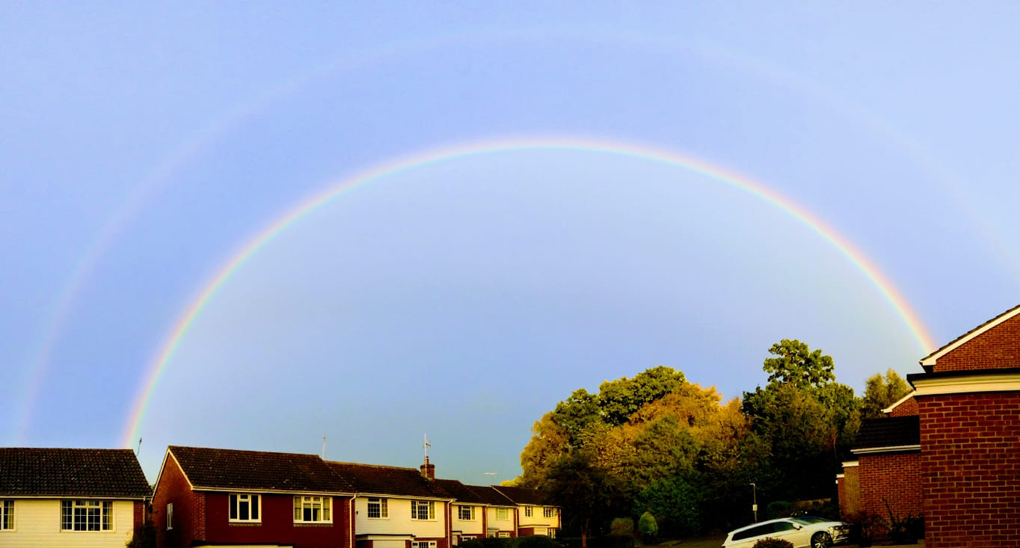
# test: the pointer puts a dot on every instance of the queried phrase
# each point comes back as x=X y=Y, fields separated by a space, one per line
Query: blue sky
x=142 y=147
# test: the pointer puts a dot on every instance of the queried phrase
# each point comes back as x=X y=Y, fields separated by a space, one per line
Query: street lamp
x=754 y=506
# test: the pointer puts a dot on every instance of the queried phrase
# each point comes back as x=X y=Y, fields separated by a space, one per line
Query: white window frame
x=430 y=509
x=503 y=514
x=169 y=516
x=234 y=501
x=6 y=515
x=470 y=513
x=72 y=510
x=382 y=510
x=312 y=503
x=549 y=512
x=503 y=534
x=423 y=544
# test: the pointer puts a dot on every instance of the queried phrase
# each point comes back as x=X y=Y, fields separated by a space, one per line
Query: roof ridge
x=415 y=470
x=250 y=451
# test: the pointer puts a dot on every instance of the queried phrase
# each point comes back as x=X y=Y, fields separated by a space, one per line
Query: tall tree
x=795 y=363
x=588 y=496
x=881 y=392
x=619 y=399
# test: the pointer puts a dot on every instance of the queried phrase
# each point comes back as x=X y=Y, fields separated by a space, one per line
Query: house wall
x=537 y=522
x=508 y=525
x=997 y=348
x=473 y=527
x=399 y=522
x=850 y=491
x=892 y=477
x=971 y=462
x=905 y=409
x=37 y=525
x=189 y=508
x=277 y=523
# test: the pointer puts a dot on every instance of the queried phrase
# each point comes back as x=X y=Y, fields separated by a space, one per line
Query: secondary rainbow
x=451 y=153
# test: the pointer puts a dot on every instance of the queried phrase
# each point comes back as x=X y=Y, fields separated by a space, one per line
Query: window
x=312 y=510
x=503 y=534
x=423 y=543
x=501 y=513
x=377 y=508
x=551 y=532
x=527 y=511
x=244 y=508
x=6 y=515
x=549 y=512
x=169 y=516
x=423 y=509
x=86 y=515
x=466 y=513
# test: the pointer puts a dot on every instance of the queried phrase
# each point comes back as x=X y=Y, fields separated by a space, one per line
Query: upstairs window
x=86 y=515
x=527 y=511
x=423 y=509
x=244 y=508
x=466 y=513
x=502 y=514
x=549 y=512
x=6 y=515
x=312 y=510
x=377 y=508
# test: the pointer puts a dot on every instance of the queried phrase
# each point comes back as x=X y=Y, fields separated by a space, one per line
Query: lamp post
x=754 y=505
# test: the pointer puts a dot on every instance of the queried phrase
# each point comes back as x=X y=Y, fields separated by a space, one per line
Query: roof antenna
x=139 y=450
x=426 y=445
x=323 y=447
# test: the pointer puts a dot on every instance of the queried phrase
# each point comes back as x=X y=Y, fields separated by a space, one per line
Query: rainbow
x=446 y=154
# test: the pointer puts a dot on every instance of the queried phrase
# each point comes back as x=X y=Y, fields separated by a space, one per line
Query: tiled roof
x=459 y=491
x=258 y=470
x=388 y=480
x=972 y=333
x=522 y=495
x=889 y=432
x=489 y=495
x=107 y=473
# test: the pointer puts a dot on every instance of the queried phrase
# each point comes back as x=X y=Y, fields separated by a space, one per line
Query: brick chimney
x=428 y=470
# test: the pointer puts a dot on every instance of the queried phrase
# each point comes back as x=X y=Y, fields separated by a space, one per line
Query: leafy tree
x=648 y=527
x=549 y=442
x=677 y=502
x=881 y=392
x=619 y=399
x=586 y=494
x=577 y=414
x=797 y=364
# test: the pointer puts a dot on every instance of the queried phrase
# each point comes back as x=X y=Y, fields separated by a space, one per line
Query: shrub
x=648 y=527
x=535 y=541
x=144 y=536
x=865 y=527
x=778 y=509
x=488 y=542
x=906 y=530
x=773 y=543
x=622 y=527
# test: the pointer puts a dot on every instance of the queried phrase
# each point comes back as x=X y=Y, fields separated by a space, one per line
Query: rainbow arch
x=450 y=153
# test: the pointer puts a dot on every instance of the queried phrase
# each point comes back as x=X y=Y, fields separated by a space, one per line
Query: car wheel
x=821 y=539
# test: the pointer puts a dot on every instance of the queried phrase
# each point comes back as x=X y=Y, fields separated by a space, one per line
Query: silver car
x=803 y=533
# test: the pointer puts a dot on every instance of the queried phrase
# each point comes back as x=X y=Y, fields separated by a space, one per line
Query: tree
x=619 y=399
x=587 y=496
x=549 y=442
x=677 y=502
x=796 y=364
x=880 y=393
x=576 y=414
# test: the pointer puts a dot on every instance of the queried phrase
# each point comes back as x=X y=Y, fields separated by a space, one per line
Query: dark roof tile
x=522 y=495
x=889 y=432
x=388 y=480
x=106 y=473
x=490 y=496
x=258 y=470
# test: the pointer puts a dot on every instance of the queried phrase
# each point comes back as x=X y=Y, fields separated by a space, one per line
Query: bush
x=778 y=509
x=622 y=527
x=865 y=527
x=488 y=542
x=648 y=527
x=535 y=541
x=143 y=537
x=773 y=543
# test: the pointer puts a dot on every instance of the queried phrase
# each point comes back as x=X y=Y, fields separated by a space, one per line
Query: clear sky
x=372 y=221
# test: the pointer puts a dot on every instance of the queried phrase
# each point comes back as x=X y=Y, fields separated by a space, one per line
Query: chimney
x=428 y=470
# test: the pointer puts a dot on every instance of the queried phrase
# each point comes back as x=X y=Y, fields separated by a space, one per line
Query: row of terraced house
x=220 y=497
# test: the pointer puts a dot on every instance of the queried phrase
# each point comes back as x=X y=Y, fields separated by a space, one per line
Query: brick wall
x=173 y=488
x=850 y=491
x=905 y=409
x=997 y=348
x=892 y=477
x=971 y=469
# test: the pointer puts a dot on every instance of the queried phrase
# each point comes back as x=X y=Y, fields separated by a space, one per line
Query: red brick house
x=965 y=470
x=222 y=497
x=70 y=497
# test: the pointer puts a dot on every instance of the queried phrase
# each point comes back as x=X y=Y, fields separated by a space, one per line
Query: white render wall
x=538 y=518
x=472 y=527
x=501 y=524
x=37 y=525
x=399 y=521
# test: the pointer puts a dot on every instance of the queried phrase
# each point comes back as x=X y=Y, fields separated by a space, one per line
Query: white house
x=70 y=497
x=535 y=515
